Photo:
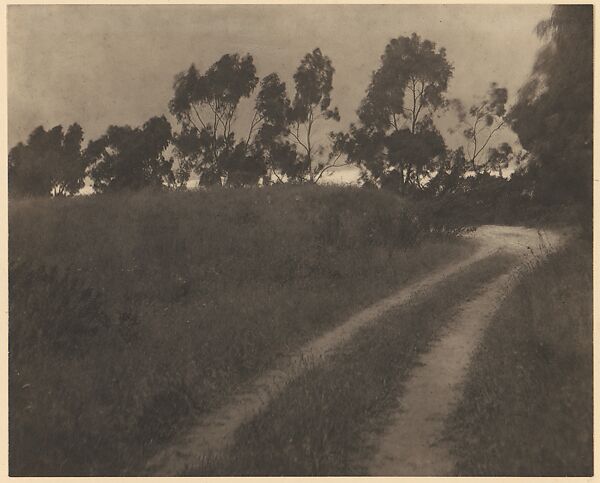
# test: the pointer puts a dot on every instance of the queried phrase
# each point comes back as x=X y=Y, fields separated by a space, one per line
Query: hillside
x=162 y=304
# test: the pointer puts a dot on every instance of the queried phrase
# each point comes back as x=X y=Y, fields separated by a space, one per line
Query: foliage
x=131 y=158
x=396 y=142
x=272 y=109
x=50 y=162
x=205 y=105
x=280 y=142
x=554 y=111
x=499 y=157
x=312 y=101
x=481 y=122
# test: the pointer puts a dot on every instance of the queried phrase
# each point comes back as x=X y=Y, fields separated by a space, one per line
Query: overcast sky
x=101 y=65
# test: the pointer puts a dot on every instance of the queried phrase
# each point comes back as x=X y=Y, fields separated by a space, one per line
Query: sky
x=100 y=65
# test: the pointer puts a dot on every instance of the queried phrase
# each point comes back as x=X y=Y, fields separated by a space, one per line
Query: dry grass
x=129 y=313
x=527 y=408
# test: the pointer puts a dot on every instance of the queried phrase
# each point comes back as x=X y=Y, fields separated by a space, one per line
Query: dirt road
x=211 y=434
x=412 y=444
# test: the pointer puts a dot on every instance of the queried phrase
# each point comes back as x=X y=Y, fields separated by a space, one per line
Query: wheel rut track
x=213 y=433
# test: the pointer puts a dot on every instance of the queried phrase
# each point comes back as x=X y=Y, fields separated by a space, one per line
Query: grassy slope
x=197 y=293
x=322 y=424
x=528 y=406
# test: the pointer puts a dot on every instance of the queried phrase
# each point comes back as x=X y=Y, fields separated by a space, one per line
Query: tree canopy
x=396 y=142
x=205 y=105
x=287 y=134
x=554 y=111
x=131 y=158
x=51 y=162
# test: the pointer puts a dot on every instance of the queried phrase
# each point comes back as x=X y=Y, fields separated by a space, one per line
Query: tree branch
x=331 y=166
x=296 y=136
x=489 y=137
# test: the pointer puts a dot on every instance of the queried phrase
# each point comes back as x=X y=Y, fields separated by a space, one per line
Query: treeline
x=395 y=142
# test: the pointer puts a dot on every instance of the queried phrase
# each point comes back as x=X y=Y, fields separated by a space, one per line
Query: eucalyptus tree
x=313 y=80
x=131 y=158
x=49 y=163
x=205 y=105
x=396 y=139
x=289 y=128
x=481 y=122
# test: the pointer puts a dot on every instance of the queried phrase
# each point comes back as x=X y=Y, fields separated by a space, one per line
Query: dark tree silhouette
x=554 y=111
x=51 y=163
x=312 y=101
x=396 y=142
x=272 y=111
x=205 y=105
x=131 y=158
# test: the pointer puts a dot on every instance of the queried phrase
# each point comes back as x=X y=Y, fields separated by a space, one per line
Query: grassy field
x=527 y=408
x=323 y=424
x=129 y=313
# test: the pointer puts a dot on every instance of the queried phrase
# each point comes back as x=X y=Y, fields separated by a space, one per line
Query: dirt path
x=211 y=434
x=412 y=443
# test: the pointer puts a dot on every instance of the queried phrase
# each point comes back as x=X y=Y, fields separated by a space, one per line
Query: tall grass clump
x=131 y=312
x=527 y=409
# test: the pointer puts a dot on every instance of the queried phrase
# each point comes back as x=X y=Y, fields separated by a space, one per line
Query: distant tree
x=272 y=113
x=499 y=158
x=312 y=101
x=205 y=105
x=481 y=122
x=396 y=143
x=50 y=163
x=553 y=115
x=131 y=158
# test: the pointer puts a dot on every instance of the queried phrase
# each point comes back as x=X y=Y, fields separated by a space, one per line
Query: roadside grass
x=323 y=422
x=130 y=313
x=527 y=408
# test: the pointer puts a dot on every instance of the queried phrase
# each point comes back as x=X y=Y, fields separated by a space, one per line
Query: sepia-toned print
x=300 y=240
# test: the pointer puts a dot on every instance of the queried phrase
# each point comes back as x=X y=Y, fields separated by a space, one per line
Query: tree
x=272 y=111
x=287 y=128
x=51 y=163
x=314 y=82
x=396 y=129
x=481 y=122
x=131 y=158
x=205 y=105
x=449 y=174
x=499 y=158
x=553 y=114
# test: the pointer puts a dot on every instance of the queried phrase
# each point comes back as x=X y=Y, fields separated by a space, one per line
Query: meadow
x=131 y=313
